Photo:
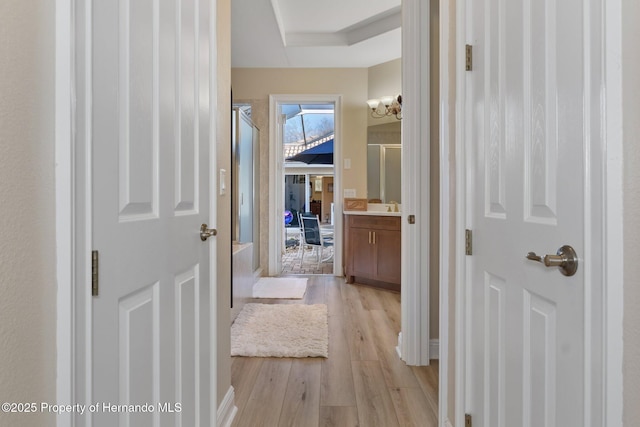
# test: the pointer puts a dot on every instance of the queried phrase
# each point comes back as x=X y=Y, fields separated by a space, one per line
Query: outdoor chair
x=312 y=237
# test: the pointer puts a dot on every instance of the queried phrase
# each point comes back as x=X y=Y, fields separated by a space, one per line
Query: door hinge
x=468 y=242
x=94 y=273
x=468 y=57
x=467 y=420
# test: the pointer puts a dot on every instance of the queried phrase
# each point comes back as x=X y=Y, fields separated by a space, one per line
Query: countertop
x=373 y=213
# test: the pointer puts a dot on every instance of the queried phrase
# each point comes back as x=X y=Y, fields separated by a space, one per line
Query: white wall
x=631 y=132
x=27 y=238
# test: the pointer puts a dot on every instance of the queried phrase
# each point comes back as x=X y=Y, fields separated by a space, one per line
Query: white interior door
x=151 y=131
x=527 y=101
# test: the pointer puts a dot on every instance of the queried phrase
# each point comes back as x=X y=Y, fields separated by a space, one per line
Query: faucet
x=395 y=208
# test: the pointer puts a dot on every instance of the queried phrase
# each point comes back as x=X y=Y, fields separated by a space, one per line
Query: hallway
x=363 y=382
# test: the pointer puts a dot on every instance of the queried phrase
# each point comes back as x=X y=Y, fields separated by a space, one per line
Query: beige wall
x=27 y=215
x=631 y=130
x=223 y=239
x=254 y=85
x=384 y=79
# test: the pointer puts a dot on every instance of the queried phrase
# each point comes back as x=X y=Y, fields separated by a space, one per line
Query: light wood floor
x=362 y=383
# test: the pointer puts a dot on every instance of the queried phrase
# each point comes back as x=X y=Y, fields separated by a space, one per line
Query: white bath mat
x=280 y=287
x=281 y=330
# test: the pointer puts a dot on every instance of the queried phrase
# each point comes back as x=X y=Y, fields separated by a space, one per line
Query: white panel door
x=526 y=104
x=151 y=129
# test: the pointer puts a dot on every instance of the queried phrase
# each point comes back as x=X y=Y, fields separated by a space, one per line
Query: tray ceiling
x=302 y=33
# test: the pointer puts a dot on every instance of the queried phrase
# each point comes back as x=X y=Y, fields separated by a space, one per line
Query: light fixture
x=386 y=106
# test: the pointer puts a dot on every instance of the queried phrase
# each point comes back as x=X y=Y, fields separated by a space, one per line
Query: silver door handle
x=565 y=259
x=206 y=232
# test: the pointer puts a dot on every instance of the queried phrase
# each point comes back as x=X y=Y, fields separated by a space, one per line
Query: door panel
x=526 y=192
x=387 y=246
x=187 y=301
x=539 y=370
x=186 y=117
x=362 y=251
x=540 y=111
x=495 y=294
x=494 y=117
x=139 y=352
x=138 y=143
x=150 y=148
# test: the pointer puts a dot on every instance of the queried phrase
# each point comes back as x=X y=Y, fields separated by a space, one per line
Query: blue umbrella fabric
x=319 y=155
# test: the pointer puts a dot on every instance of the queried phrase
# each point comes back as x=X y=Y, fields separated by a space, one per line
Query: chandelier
x=386 y=106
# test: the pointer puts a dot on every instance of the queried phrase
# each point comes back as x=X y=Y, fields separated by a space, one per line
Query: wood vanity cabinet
x=372 y=250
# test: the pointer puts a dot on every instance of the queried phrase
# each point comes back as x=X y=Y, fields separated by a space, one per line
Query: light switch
x=347 y=163
x=223 y=182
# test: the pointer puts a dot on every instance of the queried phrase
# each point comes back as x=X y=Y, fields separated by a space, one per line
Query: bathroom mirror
x=384 y=154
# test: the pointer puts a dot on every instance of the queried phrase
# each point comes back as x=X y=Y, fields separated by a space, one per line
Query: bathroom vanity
x=372 y=245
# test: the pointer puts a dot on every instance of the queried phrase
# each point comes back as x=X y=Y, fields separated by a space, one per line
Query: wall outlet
x=349 y=192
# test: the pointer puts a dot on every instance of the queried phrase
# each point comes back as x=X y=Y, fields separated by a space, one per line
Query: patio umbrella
x=319 y=155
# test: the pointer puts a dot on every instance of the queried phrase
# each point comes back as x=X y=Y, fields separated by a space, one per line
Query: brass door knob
x=565 y=259
x=206 y=232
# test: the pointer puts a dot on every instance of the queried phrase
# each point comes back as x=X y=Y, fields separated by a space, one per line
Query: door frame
x=73 y=208
x=605 y=217
x=73 y=196
x=65 y=197
x=414 y=339
x=276 y=177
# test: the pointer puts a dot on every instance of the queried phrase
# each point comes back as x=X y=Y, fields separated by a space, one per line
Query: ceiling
x=320 y=33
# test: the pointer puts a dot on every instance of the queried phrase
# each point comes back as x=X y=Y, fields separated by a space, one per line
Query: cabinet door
x=362 y=253
x=387 y=265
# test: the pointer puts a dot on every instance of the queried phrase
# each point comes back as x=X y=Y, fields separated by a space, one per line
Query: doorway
x=551 y=373
x=310 y=195
x=306 y=131
x=307 y=147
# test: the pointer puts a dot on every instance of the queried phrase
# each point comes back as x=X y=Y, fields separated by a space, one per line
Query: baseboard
x=447 y=423
x=257 y=274
x=434 y=349
x=227 y=409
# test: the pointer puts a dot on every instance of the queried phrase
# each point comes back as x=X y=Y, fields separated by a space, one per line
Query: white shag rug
x=281 y=330
x=280 y=287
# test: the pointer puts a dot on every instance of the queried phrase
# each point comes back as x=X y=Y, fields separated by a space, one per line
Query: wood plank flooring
x=362 y=382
